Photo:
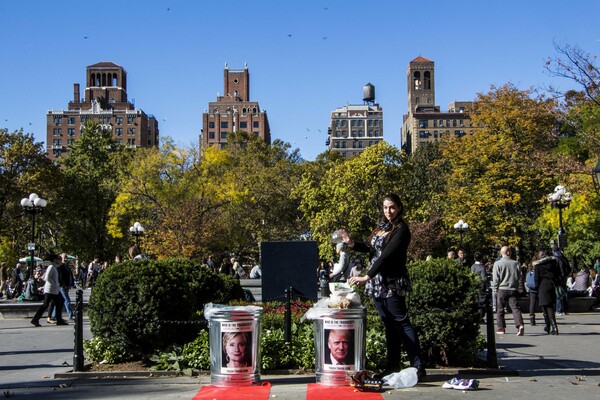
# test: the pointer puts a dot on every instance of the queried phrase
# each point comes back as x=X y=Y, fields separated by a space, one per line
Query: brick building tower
x=233 y=111
x=105 y=100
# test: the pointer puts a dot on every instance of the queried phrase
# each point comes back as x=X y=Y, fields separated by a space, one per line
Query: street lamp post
x=32 y=205
x=596 y=176
x=560 y=199
x=461 y=227
x=137 y=230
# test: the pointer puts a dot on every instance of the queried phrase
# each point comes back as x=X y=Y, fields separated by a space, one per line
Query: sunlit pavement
x=536 y=365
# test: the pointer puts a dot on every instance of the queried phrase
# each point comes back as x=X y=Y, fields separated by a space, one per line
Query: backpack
x=64 y=275
x=530 y=280
x=564 y=268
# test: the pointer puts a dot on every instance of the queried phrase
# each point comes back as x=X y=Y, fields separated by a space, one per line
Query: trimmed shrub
x=131 y=301
x=443 y=309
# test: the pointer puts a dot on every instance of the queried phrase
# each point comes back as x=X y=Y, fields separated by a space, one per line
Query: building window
x=211 y=135
x=56 y=132
x=417 y=81
x=223 y=135
x=211 y=124
x=435 y=134
x=56 y=153
x=353 y=122
x=130 y=119
x=454 y=123
x=423 y=134
x=70 y=142
x=71 y=121
x=119 y=120
x=344 y=144
x=119 y=131
x=360 y=144
x=376 y=133
x=130 y=131
x=57 y=120
x=224 y=124
x=56 y=142
x=422 y=123
x=255 y=124
x=376 y=123
x=370 y=122
x=243 y=124
x=427 y=80
x=461 y=123
x=435 y=123
x=337 y=145
x=71 y=132
x=343 y=122
x=359 y=123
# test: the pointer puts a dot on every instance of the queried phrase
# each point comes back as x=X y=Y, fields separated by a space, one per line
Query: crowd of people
x=548 y=280
x=231 y=266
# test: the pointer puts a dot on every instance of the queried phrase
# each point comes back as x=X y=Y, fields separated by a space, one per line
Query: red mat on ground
x=254 y=392
x=316 y=391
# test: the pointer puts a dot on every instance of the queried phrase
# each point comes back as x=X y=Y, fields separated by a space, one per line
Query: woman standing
x=547 y=278
x=388 y=282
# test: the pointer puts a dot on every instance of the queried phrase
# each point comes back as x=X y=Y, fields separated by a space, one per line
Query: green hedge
x=443 y=309
x=131 y=301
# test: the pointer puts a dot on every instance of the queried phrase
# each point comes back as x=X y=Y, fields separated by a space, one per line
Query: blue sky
x=305 y=58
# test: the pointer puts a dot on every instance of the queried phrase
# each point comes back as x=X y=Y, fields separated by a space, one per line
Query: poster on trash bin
x=338 y=342
x=236 y=339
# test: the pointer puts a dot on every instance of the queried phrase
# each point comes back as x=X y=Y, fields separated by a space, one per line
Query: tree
x=263 y=176
x=502 y=171
x=24 y=169
x=349 y=193
x=92 y=174
x=579 y=66
x=174 y=196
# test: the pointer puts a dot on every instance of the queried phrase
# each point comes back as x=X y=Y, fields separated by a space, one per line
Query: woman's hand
x=358 y=280
x=346 y=238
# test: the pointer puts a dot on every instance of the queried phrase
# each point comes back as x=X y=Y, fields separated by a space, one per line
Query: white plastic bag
x=403 y=379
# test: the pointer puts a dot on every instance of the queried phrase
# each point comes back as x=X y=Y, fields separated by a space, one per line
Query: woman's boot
x=554 y=327
x=532 y=320
x=547 y=324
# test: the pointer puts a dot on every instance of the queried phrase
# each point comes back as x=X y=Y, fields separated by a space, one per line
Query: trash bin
x=234 y=336
x=339 y=344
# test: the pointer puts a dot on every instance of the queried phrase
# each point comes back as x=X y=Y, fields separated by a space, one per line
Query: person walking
x=532 y=292
x=51 y=293
x=387 y=281
x=505 y=279
x=478 y=269
x=547 y=279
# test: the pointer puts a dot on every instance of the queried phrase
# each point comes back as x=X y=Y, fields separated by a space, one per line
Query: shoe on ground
x=62 y=323
x=461 y=384
x=51 y=321
x=421 y=373
x=500 y=331
x=386 y=372
x=521 y=331
x=35 y=322
x=560 y=314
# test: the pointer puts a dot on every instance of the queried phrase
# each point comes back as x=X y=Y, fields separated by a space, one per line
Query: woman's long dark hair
x=391 y=226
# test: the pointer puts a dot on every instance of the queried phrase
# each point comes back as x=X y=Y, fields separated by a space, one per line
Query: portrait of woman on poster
x=236 y=349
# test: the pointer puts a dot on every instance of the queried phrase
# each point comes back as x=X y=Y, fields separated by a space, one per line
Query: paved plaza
x=532 y=366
